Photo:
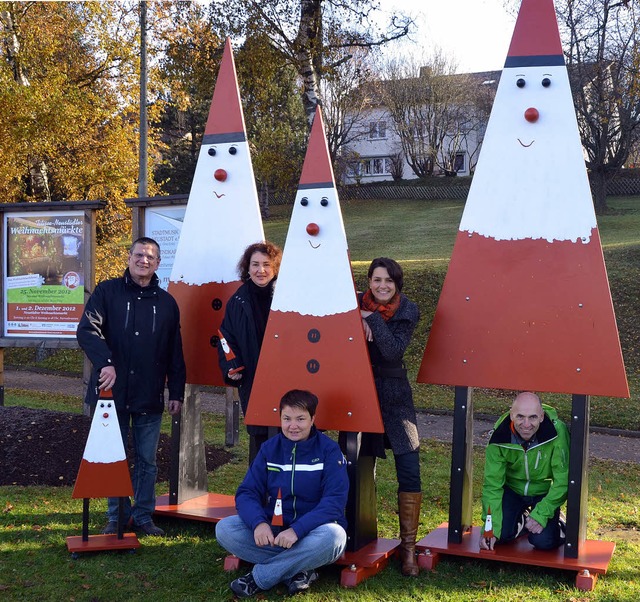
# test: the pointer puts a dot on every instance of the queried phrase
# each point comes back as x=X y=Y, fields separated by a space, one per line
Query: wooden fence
x=617 y=187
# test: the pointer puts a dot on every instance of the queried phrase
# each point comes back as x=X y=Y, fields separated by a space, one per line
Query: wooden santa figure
x=222 y=218
x=526 y=303
x=104 y=472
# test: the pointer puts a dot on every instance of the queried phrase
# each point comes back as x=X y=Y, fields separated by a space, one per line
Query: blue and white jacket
x=312 y=476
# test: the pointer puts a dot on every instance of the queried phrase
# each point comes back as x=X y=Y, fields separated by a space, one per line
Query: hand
x=487 y=543
x=107 y=378
x=174 y=406
x=533 y=526
x=235 y=376
x=368 y=335
x=263 y=535
x=286 y=538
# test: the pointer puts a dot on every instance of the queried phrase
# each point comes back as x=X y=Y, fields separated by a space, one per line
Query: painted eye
x=546 y=82
x=324 y=202
x=108 y=405
x=233 y=150
x=304 y=201
x=102 y=405
x=212 y=151
x=520 y=82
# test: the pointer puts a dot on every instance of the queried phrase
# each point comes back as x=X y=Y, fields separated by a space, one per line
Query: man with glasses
x=130 y=331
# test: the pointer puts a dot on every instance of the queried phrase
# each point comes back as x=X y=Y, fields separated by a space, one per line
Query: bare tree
x=314 y=35
x=346 y=98
x=602 y=53
x=426 y=103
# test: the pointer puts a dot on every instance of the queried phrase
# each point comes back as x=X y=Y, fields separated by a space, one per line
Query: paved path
x=606 y=444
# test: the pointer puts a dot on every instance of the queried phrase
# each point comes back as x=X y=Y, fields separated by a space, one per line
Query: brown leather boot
x=409 y=515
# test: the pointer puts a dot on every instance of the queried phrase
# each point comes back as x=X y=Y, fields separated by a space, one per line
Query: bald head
x=527 y=414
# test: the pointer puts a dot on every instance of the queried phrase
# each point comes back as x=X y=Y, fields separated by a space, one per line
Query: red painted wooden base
x=232 y=563
x=593 y=559
x=210 y=507
x=361 y=564
x=367 y=561
x=97 y=543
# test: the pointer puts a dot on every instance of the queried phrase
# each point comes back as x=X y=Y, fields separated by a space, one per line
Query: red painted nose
x=531 y=115
x=220 y=175
x=313 y=229
x=105 y=415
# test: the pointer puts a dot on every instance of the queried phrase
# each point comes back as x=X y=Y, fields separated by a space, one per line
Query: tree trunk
x=598 y=182
x=38 y=178
x=309 y=37
x=264 y=200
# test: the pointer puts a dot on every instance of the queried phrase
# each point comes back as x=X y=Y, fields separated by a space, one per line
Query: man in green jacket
x=526 y=475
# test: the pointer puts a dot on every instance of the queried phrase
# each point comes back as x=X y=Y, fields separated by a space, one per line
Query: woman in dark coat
x=389 y=319
x=244 y=325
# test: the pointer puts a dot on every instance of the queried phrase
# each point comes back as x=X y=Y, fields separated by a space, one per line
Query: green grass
x=186 y=565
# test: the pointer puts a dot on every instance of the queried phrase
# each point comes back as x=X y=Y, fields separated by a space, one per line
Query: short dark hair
x=392 y=266
x=298 y=398
x=274 y=252
x=144 y=240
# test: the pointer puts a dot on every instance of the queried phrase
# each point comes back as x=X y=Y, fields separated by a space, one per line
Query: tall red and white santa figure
x=314 y=338
x=526 y=303
x=222 y=218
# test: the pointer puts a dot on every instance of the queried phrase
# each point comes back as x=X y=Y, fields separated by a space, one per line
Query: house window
x=377 y=129
x=458 y=164
x=376 y=166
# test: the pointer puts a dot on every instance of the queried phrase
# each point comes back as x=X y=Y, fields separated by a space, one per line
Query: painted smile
x=316 y=246
x=218 y=195
x=525 y=145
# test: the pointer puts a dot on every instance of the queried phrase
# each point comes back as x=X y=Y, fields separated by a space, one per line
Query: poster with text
x=164 y=224
x=43 y=273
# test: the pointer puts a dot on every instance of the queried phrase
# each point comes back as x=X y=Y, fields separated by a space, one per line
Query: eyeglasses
x=141 y=256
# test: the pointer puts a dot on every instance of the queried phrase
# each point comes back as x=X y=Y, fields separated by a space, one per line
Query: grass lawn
x=186 y=565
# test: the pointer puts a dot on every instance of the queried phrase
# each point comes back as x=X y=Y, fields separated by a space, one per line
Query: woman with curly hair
x=245 y=322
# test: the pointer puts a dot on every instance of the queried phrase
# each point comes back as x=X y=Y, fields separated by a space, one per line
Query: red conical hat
x=317 y=168
x=536 y=39
x=225 y=115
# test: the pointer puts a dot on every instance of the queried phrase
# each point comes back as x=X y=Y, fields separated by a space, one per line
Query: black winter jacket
x=137 y=330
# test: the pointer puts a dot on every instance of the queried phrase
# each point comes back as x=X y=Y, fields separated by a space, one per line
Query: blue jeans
x=145 y=430
x=324 y=545
x=513 y=506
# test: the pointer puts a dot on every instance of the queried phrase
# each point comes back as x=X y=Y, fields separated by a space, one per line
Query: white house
x=378 y=154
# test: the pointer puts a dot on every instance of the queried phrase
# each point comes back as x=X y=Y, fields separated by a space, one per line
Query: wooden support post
x=578 y=476
x=232 y=417
x=362 y=510
x=85 y=519
x=188 y=472
x=461 y=500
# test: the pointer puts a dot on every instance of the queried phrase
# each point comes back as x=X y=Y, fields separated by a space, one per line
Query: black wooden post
x=461 y=497
x=362 y=510
x=578 y=476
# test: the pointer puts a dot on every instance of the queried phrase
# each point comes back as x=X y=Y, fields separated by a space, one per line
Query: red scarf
x=369 y=304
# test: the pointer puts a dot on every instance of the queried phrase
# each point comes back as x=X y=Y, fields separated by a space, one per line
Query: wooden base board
x=593 y=558
x=210 y=507
x=367 y=561
x=97 y=543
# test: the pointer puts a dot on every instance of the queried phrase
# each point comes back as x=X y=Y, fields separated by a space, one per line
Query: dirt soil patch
x=45 y=447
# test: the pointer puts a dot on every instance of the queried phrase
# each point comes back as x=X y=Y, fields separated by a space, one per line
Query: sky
x=476 y=32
